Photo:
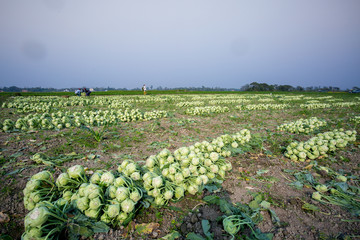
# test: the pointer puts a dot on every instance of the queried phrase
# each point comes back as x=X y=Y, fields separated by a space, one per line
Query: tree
x=245 y=87
x=286 y=88
x=12 y=89
x=254 y=86
x=299 y=88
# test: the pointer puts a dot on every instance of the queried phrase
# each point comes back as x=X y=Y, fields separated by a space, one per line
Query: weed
x=189 y=139
x=62 y=149
x=7 y=189
x=2 y=160
x=112 y=147
x=97 y=134
x=159 y=216
x=304 y=112
x=255 y=144
x=276 y=140
x=156 y=125
x=159 y=145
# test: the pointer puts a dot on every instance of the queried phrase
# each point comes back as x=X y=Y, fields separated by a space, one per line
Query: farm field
x=181 y=166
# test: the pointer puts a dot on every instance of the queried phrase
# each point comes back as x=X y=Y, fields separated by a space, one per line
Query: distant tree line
x=254 y=86
x=35 y=89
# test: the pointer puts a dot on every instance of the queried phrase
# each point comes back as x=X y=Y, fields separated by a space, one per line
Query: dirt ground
x=136 y=139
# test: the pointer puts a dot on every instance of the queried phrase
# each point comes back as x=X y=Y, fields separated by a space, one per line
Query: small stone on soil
x=194 y=219
x=189 y=226
x=155 y=234
x=198 y=227
x=183 y=228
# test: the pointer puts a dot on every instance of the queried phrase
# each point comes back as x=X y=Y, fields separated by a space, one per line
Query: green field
x=286 y=151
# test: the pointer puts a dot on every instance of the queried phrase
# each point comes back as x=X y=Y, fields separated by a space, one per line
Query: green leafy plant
x=41 y=158
x=205 y=224
x=241 y=216
x=98 y=135
x=57 y=220
x=336 y=191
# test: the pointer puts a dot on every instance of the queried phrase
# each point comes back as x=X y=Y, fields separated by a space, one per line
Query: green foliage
x=135 y=140
x=44 y=218
x=240 y=216
x=337 y=191
x=171 y=236
x=98 y=134
x=41 y=158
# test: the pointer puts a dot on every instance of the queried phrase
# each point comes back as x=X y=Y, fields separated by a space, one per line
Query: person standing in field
x=87 y=92
x=78 y=92
x=144 y=89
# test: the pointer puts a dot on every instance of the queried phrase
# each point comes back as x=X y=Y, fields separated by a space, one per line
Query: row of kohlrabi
x=45 y=104
x=320 y=145
x=206 y=110
x=345 y=104
x=60 y=119
x=106 y=196
x=48 y=104
x=228 y=101
x=102 y=117
x=266 y=100
x=328 y=105
x=158 y=99
x=189 y=169
x=315 y=105
x=334 y=100
x=302 y=125
x=355 y=119
x=318 y=98
x=285 y=98
x=190 y=104
x=262 y=106
x=30 y=107
x=59 y=220
x=212 y=97
x=114 y=197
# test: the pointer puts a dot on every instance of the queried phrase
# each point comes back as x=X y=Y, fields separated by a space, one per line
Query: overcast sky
x=179 y=43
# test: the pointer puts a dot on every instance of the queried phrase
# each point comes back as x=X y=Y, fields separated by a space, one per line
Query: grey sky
x=179 y=43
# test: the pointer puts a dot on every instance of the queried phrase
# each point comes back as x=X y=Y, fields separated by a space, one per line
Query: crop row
x=320 y=145
x=206 y=110
x=302 y=125
x=43 y=103
x=61 y=119
x=113 y=197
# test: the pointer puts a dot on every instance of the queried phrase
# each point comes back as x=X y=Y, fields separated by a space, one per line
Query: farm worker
x=87 y=92
x=78 y=92
x=144 y=89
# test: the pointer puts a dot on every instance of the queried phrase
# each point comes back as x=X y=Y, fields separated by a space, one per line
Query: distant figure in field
x=87 y=92
x=78 y=92
x=144 y=89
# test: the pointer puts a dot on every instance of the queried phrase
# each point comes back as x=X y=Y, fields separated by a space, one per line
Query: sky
x=179 y=43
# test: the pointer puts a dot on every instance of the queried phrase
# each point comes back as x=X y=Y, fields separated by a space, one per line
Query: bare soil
x=142 y=139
